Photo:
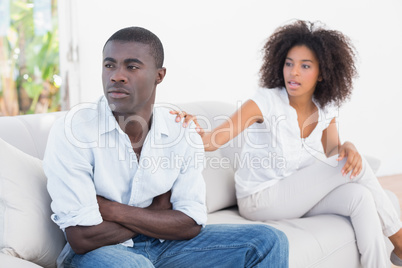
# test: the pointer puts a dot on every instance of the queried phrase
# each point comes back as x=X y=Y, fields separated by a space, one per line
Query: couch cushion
x=10 y=261
x=26 y=230
x=311 y=244
x=219 y=165
x=28 y=132
x=220 y=186
x=319 y=241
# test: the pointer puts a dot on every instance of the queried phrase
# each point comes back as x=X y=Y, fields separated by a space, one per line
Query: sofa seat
x=319 y=241
x=323 y=241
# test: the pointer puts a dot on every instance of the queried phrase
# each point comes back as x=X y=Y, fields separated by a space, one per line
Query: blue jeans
x=216 y=246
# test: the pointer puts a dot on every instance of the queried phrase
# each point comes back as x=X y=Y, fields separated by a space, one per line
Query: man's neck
x=136 y=126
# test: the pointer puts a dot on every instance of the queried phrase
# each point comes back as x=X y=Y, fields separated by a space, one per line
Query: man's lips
x=117 y=93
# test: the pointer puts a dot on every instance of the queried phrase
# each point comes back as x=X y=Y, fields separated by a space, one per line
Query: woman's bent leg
x=389 y=218
x=356 y=201
x=294 y=196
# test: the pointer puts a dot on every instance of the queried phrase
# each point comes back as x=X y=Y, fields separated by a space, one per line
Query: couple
x=116 y=214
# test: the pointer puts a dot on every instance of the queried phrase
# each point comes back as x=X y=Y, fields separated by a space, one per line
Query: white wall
x=213 y=53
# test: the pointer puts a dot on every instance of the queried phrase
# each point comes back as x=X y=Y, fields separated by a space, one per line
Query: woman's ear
x=319 y=78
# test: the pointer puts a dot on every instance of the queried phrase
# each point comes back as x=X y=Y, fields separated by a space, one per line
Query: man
x=118 y=210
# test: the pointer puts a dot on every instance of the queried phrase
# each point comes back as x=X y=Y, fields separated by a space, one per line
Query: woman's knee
x=358 y=192
x=357 y=196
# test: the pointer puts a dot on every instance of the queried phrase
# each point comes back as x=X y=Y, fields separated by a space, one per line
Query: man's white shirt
x=88 y=154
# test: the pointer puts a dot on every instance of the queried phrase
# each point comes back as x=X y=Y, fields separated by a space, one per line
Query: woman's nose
x=294 y=71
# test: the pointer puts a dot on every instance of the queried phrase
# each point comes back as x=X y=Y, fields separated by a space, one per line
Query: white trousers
x=321 y=189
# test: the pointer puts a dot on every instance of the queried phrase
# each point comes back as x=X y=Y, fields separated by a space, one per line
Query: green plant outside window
x=29 y=63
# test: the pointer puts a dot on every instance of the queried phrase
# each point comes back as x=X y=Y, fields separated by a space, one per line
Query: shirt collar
x=159 y=124
x=107 y=122
x=285 y=97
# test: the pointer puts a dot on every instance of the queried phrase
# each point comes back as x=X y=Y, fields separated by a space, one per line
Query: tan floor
x=394 y=184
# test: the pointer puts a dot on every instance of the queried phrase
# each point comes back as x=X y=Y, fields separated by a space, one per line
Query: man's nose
x=118 y=76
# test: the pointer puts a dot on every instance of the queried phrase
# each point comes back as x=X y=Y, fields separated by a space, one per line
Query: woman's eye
x=288 y=64
x=305 y=66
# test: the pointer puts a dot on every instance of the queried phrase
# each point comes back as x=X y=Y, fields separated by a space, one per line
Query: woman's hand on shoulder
x=354 y=162
x=248 y=114
x=187 y=119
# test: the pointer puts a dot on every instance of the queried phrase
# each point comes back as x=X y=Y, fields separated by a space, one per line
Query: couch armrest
x=10 y=261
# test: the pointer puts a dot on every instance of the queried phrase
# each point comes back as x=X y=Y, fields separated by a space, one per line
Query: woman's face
x=301 y=72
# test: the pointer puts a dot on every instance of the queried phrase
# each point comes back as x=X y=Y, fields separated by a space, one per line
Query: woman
x=306 y=75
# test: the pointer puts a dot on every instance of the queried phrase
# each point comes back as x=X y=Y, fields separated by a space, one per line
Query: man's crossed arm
x=122 y=222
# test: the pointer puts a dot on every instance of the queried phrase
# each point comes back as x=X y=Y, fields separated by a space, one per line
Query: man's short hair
x=144 y=36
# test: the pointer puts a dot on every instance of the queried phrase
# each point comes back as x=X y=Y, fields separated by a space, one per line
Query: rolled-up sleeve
x=188 y=192
x=69 y=171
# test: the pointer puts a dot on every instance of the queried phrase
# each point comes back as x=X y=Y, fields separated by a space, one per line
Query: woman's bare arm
x=248 y=114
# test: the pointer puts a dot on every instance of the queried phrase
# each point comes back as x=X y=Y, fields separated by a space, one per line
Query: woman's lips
x=293 y=85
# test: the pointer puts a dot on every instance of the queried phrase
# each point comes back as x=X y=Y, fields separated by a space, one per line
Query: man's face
x=129 y=77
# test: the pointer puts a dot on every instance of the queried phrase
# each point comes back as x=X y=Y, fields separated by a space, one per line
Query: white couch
x=28 y=236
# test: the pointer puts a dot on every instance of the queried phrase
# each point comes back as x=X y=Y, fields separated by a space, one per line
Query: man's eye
x=131 y=67
x=107 y=65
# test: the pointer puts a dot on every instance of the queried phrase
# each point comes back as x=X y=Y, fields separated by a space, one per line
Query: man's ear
x=160 y=75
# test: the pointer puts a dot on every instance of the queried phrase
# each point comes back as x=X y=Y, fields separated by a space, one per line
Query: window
x=29 y=57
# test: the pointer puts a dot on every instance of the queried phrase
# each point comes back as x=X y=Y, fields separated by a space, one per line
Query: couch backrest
x=28 y=132
x=220 y=165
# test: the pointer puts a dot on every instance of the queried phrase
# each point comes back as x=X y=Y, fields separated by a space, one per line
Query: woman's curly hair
x=334 y=51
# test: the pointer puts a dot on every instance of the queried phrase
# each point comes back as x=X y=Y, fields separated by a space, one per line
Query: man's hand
x=105 y=208
x=160 y=202
x=157 y=220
